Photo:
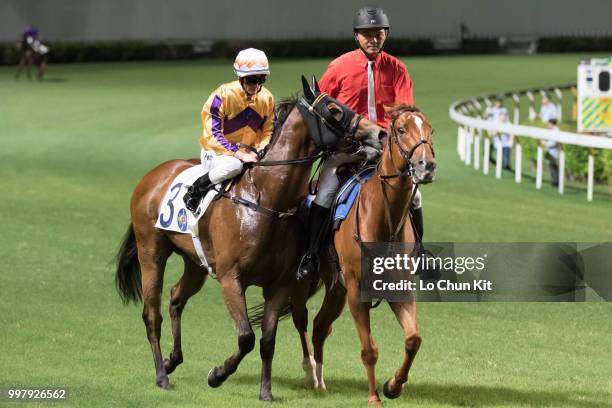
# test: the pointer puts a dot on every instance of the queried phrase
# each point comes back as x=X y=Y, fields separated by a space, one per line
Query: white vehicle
x=595 y=96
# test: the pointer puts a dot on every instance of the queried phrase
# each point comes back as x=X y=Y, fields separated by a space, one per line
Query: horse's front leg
x=406 y=316
x=272 y=309
x=233 y=294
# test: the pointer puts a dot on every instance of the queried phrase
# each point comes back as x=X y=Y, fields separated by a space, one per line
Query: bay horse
x=28 y=56
x=242 y=243
x=378 y=215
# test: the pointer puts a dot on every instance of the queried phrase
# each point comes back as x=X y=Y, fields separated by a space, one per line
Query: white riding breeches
x=220 y=167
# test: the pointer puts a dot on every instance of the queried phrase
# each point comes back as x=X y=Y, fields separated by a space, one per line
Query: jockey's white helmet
x=251 y=62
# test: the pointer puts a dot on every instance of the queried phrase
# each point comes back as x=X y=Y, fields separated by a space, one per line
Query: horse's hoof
x=266 y=397
x=374 y=401
x=169 y=366
x=388 y=393
x=171 y=363
x=163 y=383
x=213 y=380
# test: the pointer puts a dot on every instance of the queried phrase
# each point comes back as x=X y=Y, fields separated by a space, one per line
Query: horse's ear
x=315 y=85
x=308 y=94
x=389 y=108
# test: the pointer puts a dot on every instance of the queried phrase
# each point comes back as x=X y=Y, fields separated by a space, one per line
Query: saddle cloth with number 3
x=173 y=215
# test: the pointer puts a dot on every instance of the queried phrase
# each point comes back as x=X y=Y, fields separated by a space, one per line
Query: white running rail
x=471 y=132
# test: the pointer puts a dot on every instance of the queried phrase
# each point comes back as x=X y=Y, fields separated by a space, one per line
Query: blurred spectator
x=494 y=112
x=499 y=113
x=552 y=154
x=548 y=110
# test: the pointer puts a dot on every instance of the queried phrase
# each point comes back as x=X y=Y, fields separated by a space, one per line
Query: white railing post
x=486 y=157
x=590 y=177
x=460 y=142
x=498 y=160
x=518 y=162
x=517 y=107
x=532 y=112
x=561 y=170
x=539 y=167
x=468 y=146
x=477 y=150
x=560 y=105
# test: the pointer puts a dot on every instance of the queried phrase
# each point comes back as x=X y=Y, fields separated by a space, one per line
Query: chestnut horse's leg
x=272 y=308
x=233 y=294
x=299 y=314
x=332 y=306
x=190 y=283
x=369 y=350
x=406 y=316
x=152 y=257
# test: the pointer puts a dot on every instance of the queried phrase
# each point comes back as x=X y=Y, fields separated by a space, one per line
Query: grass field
x=73 y=147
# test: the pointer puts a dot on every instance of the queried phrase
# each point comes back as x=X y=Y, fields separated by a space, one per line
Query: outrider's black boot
x=195 y=192
x=424 y=272
x=417 y=218
x=317 y=226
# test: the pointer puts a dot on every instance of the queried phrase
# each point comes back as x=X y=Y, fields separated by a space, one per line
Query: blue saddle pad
x=348 y=193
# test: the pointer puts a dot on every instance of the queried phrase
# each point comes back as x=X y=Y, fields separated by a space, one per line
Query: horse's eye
x=334 y=111
x=401 y=130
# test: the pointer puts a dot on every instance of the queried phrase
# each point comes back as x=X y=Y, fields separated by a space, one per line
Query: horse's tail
x=256 y=313
x=127 y=280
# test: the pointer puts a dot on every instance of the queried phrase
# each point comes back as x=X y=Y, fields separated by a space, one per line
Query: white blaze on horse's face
x=423 y=161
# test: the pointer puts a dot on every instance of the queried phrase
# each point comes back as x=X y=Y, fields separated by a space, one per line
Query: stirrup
x=309 y=267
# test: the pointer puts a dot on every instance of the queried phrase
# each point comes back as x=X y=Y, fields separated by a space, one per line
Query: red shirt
x=346 y=79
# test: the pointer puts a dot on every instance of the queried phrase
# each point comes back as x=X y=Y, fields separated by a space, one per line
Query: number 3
x=166 y=222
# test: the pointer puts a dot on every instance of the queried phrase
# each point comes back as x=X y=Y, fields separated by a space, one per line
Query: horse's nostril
x=431 y=166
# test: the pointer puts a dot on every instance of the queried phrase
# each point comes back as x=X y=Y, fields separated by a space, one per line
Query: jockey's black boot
x=317 y=226
x=195 y=192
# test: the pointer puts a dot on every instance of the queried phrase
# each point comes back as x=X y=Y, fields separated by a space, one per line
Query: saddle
x=347 y=194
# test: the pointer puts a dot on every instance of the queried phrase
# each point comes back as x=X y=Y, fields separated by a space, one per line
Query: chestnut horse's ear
x=308 y=94
x=389 y=107
x=315 y=86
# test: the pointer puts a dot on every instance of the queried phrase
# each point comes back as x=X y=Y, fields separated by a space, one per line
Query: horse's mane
x=282 y=111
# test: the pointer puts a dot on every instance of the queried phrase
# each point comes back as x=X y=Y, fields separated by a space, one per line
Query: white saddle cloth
x=174 y=216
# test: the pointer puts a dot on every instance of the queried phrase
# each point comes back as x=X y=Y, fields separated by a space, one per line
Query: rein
x=341 y=129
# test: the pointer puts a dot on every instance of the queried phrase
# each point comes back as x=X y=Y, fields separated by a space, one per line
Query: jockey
x=30 y=41
x=237 y=113
x=365 y=80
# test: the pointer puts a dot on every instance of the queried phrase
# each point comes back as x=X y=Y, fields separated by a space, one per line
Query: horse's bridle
x=406 y=154
x=317 y=113
x=324 y=138
x=408 y=171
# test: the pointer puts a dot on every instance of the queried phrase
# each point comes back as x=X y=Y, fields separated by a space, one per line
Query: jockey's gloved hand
x=246 y=157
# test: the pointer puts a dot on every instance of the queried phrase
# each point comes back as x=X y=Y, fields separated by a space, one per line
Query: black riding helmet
x=370 y=17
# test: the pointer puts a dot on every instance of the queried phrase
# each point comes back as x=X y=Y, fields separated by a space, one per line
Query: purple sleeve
x=216 y=125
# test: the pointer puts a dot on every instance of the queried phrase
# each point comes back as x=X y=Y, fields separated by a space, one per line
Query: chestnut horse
x=379 y=215
x=242 y=243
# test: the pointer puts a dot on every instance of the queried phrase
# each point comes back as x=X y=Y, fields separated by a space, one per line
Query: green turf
x=73 y=147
